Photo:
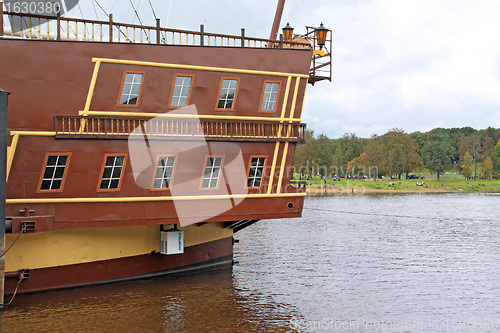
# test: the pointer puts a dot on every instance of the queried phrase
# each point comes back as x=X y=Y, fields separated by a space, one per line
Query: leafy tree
x=304 y=155
x=323 y=154
x=346 y=148
x=467 y=166
x=437 y=154
x=393 y=143
x=497 y=159
x=419 y=138
x=497 y=148
x=488 y=150
x=374 y=156
x=411 y=157
x=394 y=153
x=356 y=165
x=487 y=167
x=472 y=145
x=315 y=156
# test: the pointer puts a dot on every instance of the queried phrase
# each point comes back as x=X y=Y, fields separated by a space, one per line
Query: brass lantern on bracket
x=321 y=32
x=287 y=31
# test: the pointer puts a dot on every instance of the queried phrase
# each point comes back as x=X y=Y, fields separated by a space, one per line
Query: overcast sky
x=408 y=64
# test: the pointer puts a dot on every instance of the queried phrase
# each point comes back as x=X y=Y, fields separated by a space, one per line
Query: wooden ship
x=88 y=99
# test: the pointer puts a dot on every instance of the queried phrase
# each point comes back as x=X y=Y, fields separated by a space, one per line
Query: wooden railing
x=34 y=26
x=222 y=130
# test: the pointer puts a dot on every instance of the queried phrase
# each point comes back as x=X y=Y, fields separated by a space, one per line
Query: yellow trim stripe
x=302 y=106
x=273 y=167
x=294 y=100
x=10 y=153
x=15 y=139
x=92 y=86
x=192 y=67
x=282 y=169
x=33 y=133
x=151 y=199
x=285 y=149
x=285 y=99
x=90 y=94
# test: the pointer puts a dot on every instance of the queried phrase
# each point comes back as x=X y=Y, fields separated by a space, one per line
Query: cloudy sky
x=409 y=64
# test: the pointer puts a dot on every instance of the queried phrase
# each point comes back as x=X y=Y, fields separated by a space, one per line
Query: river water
x=361 y=263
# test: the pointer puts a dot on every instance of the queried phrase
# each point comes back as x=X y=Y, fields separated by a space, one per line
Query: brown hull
x=147 y=265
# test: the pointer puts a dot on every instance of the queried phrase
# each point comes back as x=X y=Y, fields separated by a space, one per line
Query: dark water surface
x=366 y=263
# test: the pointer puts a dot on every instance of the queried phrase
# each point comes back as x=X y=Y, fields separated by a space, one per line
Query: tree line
x=473 y=153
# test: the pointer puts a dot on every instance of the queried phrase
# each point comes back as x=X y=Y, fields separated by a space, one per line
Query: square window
x=212 y=171
x=227 y=94
x=112 y=172
x=131 y=89
x=181 y=91
x=54 y=173
x=256 y=171
x=270 y=96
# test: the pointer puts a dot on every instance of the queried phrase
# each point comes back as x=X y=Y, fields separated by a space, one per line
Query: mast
x=3 y=181
x=277 y=20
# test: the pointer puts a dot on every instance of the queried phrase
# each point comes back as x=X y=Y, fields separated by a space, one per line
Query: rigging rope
x=95 y=11
x=119 y=29
x=391 y=215
x=81 y=13
x=154 y=14
x=168 y=15
x=21 y=277
x=136 y=14
x=112 y=7
x=103 y=8
x=156 y=18
x=197 y=12
x=11 y=245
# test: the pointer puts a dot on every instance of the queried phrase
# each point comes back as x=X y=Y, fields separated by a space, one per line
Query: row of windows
x=133 y=82
x=53 y=176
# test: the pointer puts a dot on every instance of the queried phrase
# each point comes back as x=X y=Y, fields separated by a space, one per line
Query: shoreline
x=360 y=191
x=320 y=187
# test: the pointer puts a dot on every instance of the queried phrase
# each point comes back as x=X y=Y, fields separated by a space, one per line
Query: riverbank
x=355 y=186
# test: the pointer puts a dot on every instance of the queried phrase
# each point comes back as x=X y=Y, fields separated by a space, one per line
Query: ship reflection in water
x=423 y=262
x=205 y=301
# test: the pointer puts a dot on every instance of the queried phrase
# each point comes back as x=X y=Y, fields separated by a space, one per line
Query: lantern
x=321 y=32
x=287 y=31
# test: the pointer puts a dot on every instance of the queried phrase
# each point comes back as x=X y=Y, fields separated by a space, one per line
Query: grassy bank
x=430 y=185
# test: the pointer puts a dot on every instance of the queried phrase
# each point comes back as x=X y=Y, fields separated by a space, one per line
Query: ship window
x=227 y=94
x=112 y=172
x=180 y=92
x=212 y=172
x=131 y=88
x=270 y=96
x=55 y=171
x=164 y=171
x=256 y=171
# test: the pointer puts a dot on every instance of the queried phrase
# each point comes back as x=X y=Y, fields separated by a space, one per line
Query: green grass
x=444 y=184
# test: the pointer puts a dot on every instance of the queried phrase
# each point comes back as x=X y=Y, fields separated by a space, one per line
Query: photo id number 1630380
x=33 y=7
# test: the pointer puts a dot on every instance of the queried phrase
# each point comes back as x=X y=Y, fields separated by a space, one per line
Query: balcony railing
x=31 y=26
x=34 y=26
x=178 y=128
